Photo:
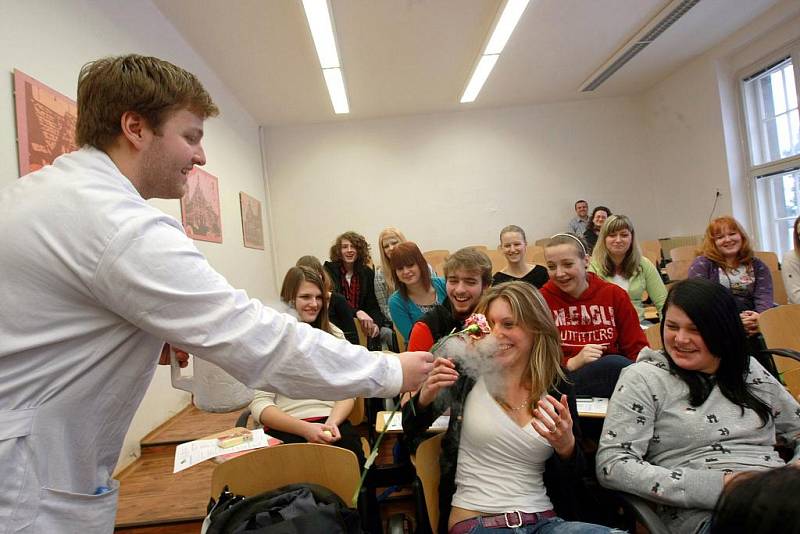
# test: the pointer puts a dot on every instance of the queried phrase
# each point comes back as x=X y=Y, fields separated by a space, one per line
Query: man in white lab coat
x=94 y=280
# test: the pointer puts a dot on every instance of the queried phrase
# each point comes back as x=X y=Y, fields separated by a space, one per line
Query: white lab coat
x=93 y=280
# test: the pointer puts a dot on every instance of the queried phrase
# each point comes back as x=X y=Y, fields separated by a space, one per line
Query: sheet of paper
x=397 y=421
x=200 y=450
x=594 y=406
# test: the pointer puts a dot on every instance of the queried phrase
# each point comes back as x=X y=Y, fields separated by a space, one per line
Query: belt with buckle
x=506 y=520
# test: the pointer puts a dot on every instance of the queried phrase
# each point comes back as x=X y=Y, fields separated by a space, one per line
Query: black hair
x=760 y=503
x=595 y=210
x=713 y=311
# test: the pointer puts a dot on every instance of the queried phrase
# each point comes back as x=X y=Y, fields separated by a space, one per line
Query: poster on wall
x=200 y=211
x=252 y=228
x=45 y=123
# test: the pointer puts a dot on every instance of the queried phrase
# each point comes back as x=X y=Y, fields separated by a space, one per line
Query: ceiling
x=403 y=57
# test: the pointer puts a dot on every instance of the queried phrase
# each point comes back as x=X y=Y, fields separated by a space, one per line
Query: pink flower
x=477 y=326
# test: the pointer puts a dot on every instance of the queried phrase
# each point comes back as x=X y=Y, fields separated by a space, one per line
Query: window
x=769 y=103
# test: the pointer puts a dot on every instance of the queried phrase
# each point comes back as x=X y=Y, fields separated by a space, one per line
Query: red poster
x=200 y=211
x=45 y=123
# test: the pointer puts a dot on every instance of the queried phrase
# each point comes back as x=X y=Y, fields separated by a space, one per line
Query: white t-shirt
x=500 y=464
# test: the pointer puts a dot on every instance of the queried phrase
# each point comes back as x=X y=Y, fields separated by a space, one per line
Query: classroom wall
x=455 y=179
x=50 y=40
x=695 y=138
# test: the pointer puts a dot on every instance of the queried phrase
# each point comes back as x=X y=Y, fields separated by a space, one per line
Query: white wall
x=50 y=41
x=694 y=136
x=456 y=179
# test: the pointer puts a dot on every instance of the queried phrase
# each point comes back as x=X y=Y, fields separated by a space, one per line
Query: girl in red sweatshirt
x=599 y=327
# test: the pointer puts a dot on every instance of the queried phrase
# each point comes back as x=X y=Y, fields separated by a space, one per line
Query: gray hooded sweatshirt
x=656 y=445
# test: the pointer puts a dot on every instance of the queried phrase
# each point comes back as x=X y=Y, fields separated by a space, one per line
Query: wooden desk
x=440 y=425
x=594 y=408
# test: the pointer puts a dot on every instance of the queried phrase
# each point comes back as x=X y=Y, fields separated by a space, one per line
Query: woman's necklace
x=510 y=408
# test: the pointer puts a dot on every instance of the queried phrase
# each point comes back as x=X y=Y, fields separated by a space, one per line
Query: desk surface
x=395 y=426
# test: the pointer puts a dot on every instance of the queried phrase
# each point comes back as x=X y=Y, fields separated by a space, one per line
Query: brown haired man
x=95 y=280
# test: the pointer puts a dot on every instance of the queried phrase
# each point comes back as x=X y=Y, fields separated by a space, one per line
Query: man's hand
x=181 y=355
x=416 y=366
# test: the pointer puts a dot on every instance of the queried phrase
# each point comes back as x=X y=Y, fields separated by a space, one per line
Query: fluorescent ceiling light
x=319 y=21
x=335 y=82
x=505 y=25
x=479 y=75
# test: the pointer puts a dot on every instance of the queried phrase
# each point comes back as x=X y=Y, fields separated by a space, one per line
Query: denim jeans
x=547 y=526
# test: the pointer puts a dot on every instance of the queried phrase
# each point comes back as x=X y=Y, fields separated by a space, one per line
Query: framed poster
x=45 y=123
x=200 y=211
x=252 y=228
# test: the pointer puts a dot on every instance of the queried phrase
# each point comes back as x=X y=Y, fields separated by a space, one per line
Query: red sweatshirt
x=603 y=315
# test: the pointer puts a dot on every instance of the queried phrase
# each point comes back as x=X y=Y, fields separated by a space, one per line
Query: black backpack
x=292 y=509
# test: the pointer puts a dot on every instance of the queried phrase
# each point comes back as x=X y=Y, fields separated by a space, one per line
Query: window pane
x=791 y=92
x=794 y=129
x=778 y=96
x=778 y=202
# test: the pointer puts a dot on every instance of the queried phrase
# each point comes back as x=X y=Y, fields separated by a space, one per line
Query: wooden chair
x=653 y=334
x=770 y=259
x=482 y=248
x=684 y=253
x=362 y=337
x=535 y=254
x=272 y=467
x=498 y=260
x=678 y=270
x=781 y=330
x=426 y=486
x=401 y=342
x=436 y=259
x=542 y=242
x=652 y=251
x=778 y=288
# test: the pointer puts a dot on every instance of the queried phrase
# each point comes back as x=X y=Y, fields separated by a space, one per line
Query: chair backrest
x=683 y=253
x=535 y=254
x=652 y=251
x=542 y=242
x=272 y=467
x=401 y=342
x=780 y=328
x=482 y=248
x=770 y=259
x=653 y=334
x=498 y=260
x=778 y=288
x=678 y=269
x=362 y=337
x=436 y=259
x=358 y=413
x=427 y=465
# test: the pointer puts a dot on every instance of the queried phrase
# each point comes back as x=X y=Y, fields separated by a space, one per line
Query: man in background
x=577 y=225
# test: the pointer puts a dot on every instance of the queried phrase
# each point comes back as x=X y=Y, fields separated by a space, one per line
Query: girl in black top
x=513 y=244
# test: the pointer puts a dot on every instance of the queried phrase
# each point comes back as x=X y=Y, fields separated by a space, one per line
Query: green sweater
x=645 y=279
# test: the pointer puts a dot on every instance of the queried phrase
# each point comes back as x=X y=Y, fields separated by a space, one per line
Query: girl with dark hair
x=790 y=267
x=417 y=292
x=307 y=420
x=686 y=421
x=596 y=221
x=352 y=276
x=762 y=503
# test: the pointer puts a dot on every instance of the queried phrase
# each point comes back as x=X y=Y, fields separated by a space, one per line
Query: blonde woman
x=388 y=240
x=510 y=456
x=617 y=259
x=514 y=245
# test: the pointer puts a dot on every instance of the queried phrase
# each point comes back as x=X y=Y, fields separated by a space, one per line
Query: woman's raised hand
x=553 y=421
x=443 y=376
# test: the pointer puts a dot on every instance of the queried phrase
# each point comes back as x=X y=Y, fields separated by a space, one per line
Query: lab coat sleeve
x=152 y=275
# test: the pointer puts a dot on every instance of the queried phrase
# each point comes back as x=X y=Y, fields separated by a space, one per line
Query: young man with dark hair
x=578 y=224
x=95 y=280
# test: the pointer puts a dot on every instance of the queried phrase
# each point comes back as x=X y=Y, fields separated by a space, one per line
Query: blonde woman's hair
x=530 y=311
x=631 y=263
x=386 y=264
